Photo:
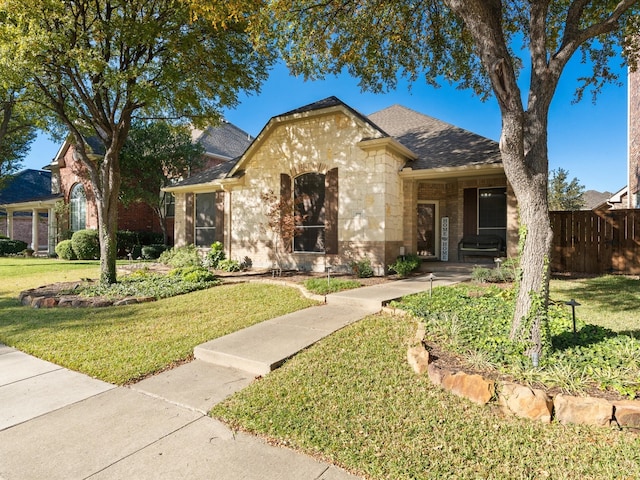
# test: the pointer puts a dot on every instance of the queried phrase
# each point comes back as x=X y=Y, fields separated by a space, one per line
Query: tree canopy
x=94 y=65
x=17 y=132
x=564 y=194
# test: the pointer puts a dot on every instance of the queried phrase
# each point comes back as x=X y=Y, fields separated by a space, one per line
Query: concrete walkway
x=59 y=424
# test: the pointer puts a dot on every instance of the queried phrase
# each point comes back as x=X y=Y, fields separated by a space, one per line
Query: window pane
x=78 y=208
x=492 y=208
x=205 y=237
x=206 y=210
x=309 y=212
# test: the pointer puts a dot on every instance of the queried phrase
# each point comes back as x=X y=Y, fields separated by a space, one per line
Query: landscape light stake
x=573 y=304
x=431 y=277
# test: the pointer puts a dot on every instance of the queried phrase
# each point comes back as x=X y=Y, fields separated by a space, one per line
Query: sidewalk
x=58 y=424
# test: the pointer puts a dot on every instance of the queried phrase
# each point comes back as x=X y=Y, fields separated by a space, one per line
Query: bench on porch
x=480 y=245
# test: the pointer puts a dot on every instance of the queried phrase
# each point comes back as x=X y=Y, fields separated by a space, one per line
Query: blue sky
x=590 y=141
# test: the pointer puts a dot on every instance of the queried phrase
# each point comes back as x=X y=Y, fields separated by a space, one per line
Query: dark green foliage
x=131 y=242
x=64 y=250
x=152 y=252
x=562 y=193
x=405 y=264
x=215 y=255
x=362 y=268
x=229 y=265
x=86 y=244
x=147 y=284
x=469 y=318
x=11 y=247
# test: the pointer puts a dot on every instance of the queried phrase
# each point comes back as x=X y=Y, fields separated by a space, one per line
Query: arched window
x=77 y=208
x=309 y=212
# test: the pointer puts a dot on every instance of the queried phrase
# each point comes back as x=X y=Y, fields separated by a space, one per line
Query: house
x=356 y=186
x=68 y=182
x=26 y=204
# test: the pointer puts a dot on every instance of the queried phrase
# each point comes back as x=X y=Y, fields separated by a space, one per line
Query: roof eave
x=224 y=184
x=388 y=143
x=448 y=172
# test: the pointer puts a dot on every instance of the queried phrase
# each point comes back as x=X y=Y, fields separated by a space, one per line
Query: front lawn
x=123 y=344
x=353 y=400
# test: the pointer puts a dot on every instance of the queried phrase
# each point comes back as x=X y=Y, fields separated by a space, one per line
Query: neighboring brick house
x=68 y=181
x=395 y=181
x=26 y=203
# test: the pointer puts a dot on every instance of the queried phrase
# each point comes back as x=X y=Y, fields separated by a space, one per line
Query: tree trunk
x=524 y=152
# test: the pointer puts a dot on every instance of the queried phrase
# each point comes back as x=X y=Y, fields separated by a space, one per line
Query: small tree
x=154 y=154
x=564 y=194
x=280 y=222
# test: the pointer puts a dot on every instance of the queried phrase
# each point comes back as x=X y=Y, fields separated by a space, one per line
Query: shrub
x=86 y=244
x=362 y=268
x=193 y=274
x=215 y=255
x=228 y=265
x=152 y=252
x=64 y=250
x=177 y=257
x=11 y=247
x=505 y=273
x=406 y=264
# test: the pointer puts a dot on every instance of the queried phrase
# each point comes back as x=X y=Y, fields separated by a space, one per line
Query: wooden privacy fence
x=596 y=242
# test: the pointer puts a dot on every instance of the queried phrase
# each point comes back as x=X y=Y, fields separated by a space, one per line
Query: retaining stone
x=583 y=410
x=525 y=402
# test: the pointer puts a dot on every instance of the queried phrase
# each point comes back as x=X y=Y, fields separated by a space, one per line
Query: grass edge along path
x=352 y=400
x=124 y=344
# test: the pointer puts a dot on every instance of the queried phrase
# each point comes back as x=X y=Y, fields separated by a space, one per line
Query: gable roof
x=27 y=185
x=224 y=140
x=437 y=144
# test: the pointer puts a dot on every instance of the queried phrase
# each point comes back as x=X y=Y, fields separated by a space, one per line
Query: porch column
x=10 y=223
x=34 y=230
x=52 y=226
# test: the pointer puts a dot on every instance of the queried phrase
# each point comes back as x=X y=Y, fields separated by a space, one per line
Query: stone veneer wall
x=370 y=193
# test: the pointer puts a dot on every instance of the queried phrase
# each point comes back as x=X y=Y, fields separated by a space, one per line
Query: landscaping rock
x=627 y=413
x=473 y=387
x=421 y=332
x=418 y=358
x=525 y=402
x=125 y=301
x=583 y=410
x=436 y=374
x=25 y=300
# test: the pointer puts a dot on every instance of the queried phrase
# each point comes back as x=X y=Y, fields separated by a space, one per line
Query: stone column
x=51 y=230
x=34 y=230
x=9 y=223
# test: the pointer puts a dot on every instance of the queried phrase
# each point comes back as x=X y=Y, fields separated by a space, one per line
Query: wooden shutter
x=331 y=211
x=470 y=212
x=286 y=204
x=188 y=218
x=219 y=217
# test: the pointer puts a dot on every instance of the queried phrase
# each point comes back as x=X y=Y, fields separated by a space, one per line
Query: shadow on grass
x=613 y=293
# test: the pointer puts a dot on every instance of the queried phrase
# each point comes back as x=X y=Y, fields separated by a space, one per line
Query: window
x=77 y=208
x=492 y=212
x=169 y=203
x=205 y=221
x=309 y=212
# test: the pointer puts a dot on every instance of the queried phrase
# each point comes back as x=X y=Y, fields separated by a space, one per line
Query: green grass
x=122 y=344
x=353 y=400
x=322 y=286
x=611 y=301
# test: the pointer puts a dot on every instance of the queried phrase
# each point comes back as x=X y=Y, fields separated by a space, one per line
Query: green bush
x=193 y=274
x=153 y=252
x=405 y=264
x=86 y=244
x=11 y=247
x=362 y=268
x=215 y=255
x=64 y=250
x=177 y=257
x=228 y=265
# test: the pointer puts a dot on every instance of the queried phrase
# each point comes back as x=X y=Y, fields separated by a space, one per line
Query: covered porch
x=33 y=222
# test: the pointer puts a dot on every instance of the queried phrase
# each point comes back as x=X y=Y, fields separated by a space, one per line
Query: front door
x=426 y=222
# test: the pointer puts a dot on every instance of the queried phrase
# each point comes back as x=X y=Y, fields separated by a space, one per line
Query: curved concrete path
x=59 y=424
